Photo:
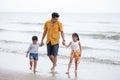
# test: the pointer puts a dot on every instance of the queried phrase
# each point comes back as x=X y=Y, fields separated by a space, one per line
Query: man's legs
x=51 y=58
x=52 y=53
x=54 y=62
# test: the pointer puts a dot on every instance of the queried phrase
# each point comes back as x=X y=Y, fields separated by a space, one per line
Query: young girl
x=33 y=52
x=76 y=51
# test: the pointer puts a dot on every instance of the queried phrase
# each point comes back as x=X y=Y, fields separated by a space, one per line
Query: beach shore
x=16 y=67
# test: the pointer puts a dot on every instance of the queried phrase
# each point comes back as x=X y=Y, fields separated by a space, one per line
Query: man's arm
x=63 y=37
x=43 y=36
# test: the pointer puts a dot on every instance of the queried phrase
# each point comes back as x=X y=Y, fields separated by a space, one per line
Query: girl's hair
x=76 y=35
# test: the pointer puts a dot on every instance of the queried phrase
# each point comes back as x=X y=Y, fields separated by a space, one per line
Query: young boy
x=33 y=53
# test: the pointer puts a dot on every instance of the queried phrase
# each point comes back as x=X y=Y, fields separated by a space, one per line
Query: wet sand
x=16 y=67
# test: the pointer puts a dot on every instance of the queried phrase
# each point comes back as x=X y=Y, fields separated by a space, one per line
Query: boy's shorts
x=52 y=49
x=33 y=56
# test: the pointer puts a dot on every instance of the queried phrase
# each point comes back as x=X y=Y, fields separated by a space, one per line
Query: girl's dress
x=75 y=51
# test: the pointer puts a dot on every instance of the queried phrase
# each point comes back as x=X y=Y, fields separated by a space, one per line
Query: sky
x=99 y=6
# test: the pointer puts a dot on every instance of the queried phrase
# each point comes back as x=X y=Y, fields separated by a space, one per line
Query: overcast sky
x=60 y=5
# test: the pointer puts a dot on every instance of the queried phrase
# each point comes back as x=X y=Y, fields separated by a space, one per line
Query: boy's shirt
x=33 y=48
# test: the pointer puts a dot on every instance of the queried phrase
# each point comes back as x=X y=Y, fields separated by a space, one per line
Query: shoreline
x=16 y=67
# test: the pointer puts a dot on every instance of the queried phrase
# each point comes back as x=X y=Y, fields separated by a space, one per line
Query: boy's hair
x=76 y=35
x=55 y=14
x=34 y=38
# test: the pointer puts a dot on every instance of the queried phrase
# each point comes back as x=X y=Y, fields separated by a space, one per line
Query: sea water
x=99 y=34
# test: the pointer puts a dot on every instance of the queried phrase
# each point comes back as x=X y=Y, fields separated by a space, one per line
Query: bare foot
x=67 y=72
x=52 y=68
x=34 y=71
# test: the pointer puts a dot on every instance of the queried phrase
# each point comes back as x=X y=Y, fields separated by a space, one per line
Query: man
x=53 y=28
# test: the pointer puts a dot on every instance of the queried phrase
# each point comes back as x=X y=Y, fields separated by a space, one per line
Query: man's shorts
x=33 y=56
x=52 y=49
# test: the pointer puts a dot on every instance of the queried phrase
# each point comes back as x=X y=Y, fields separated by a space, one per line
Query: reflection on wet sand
x=76 y=78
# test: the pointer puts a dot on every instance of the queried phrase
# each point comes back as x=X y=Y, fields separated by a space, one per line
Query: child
x=75 y=51
x=33 y=53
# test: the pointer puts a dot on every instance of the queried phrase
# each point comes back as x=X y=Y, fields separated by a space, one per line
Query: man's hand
x=26 y=55
x=63 y=42
x=42 y=43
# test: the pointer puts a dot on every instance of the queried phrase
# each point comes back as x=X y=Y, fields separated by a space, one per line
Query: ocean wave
x=104 y=22
x=21 y=51
x=11 y=51
x=18 y=42
x=101 y=35
x=86 y=59
x=21 y=31
x=95 y=60
x=105 y=36
x=102 y=61
x=61 y=46
x=94 y=35
x=3 y=29
x=30 y=23
x=92 y=48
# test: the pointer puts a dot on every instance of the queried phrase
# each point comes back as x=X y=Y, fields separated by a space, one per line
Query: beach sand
x=16 y=67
